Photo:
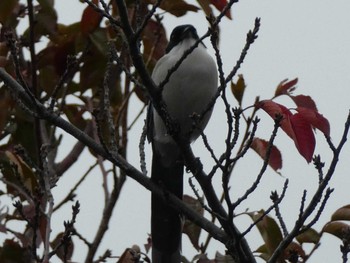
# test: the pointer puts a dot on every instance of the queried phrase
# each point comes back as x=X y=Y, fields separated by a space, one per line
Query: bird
x=188 y=91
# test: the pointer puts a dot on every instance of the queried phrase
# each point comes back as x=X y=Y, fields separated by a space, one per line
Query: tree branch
x=316 y=197
x=116 y=159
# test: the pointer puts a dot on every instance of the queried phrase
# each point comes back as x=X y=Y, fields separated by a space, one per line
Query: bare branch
x=316 y=197
x=263 y=168
x=277 y=202
x=142 y=149
x=70 y=196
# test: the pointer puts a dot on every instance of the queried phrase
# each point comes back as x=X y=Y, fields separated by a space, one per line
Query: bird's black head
x=179 y=34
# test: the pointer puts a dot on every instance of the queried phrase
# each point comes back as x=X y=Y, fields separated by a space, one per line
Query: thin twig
x=147 y=17
x=261 y=217
x=119 y=161
x=70 y=195
x=103 y=13
x=319 y=167
x=142 y=149
x=274 y=197
x=320 y=210
x=49 y=200
x=316 y=197
x=263 y=168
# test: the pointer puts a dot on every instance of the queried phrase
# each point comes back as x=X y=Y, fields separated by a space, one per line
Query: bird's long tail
x=166 y=226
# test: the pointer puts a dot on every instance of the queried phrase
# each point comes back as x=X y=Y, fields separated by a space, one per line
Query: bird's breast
x=190 y=88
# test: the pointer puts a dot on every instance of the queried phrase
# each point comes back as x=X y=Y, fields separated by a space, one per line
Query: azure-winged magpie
x=189 y=90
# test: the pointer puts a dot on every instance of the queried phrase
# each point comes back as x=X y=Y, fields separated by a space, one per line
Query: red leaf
x=286 y=87
x=292 y=250
x=304 y=137
x=154 y=41
x=261 y=146
x=220 y=5
x=315 y=119
x=295 y=126
x=304 y=101
x=272 y=108
x=90 y=19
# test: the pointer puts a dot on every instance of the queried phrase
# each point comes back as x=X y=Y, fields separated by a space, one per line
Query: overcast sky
x=305 y=39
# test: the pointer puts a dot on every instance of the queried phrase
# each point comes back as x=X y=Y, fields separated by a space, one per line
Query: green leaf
x=269 y=230
x=99 y=39
x=238 y=89
x=309 y=236
x=263 y=252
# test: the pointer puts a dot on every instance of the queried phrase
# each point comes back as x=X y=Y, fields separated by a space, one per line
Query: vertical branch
x=98 y=137
x=32 y=47
x=34 y=86
x=225 y=175
x=49 y=199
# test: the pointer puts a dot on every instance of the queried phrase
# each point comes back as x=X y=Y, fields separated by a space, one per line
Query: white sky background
x=305 y=39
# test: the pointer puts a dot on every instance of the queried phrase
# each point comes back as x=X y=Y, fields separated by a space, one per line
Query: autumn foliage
x=79 y=83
